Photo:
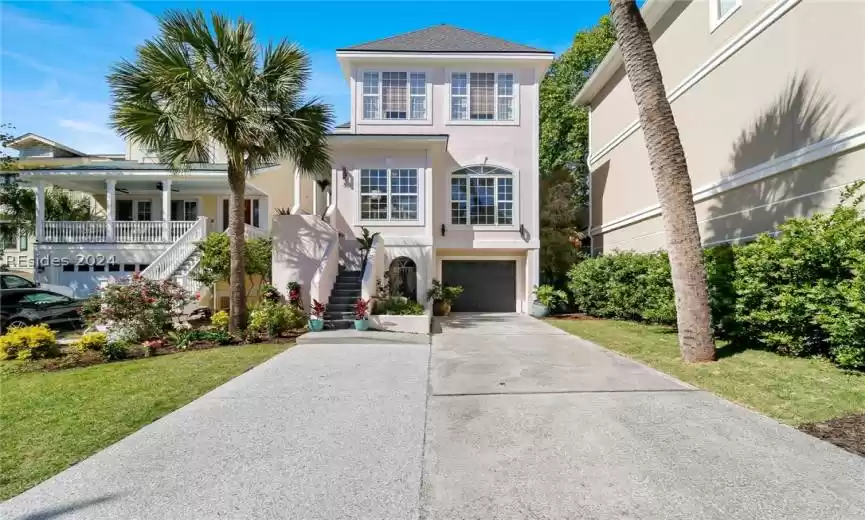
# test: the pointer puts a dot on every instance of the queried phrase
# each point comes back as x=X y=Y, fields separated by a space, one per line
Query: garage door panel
x=488 y=285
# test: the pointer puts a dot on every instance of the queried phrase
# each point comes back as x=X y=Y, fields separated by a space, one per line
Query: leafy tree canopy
x=564 y=127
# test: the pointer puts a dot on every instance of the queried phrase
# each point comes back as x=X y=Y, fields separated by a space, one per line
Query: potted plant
x=443 y=297
x=316 y=316
x=366 y=242
x=361 y=314
x=294 y=294
x=547 y=300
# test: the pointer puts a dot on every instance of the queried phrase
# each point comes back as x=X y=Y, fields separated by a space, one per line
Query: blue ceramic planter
x=539 y=310
x=316 y=325
x=361 y=324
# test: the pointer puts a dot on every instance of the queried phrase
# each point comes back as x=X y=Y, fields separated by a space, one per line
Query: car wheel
x=16 y=323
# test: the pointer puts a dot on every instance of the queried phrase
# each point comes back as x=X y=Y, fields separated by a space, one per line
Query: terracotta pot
x=441 y=308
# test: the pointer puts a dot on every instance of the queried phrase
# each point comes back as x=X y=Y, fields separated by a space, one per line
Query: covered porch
x=143 y=207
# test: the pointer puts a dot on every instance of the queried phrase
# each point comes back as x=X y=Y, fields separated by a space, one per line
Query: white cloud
x=85 y=126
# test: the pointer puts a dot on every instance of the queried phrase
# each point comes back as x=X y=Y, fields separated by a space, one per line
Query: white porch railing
x=113 y=231
x=374 y=269
x=167 y=263
x=253 y=232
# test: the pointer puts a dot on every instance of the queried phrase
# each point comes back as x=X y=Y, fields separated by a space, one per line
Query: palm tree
x=201 y=82
x=672 y=182
x=18 y=208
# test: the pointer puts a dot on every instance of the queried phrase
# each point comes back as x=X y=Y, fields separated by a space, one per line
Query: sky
x=54 y=55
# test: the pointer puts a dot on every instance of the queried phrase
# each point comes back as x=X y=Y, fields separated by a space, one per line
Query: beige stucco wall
x=785 y=90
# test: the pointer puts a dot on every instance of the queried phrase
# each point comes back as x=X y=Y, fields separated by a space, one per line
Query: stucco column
x=110 y=202
x=295 y=203
x=166 y=210
x=40 y=208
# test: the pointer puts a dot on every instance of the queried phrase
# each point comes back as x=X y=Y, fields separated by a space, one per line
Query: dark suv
x=22 y=307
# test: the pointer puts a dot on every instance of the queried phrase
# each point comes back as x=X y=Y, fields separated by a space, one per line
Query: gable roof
x=18 y=143
x=443 y=38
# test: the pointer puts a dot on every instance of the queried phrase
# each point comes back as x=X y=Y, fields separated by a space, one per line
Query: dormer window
x=394 y=96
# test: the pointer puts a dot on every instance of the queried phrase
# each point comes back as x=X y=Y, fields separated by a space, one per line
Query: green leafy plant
x=214 y=264
x=451 y=293
x=274 y=318
x=550 y=297
x=366 y=241
x=32 y=342
x=219 y=320
x=146 y=308
x=398 y=306
x=294 y=294
x=180 y=339
x=444 y=293
x=115 y=351
x=91 y=341
x=282 y=211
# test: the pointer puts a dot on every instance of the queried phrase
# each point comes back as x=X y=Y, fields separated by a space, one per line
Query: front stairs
x=346 y=291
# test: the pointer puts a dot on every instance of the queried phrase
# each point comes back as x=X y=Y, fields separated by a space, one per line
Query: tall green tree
x=672 y=182
x=564 y=126
x=206 y=80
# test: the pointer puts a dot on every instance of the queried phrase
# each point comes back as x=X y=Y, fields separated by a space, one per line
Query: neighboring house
x=768 y=98
x=440 y=157
x=152 y=216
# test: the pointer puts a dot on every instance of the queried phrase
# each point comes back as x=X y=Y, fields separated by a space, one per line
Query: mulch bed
x=572 y=316
x=846 y=432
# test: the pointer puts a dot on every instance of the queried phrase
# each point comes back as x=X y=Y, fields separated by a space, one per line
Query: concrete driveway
x=505 y=417
x=526 y=421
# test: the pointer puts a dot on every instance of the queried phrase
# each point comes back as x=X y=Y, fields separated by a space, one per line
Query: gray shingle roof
x=443 y=38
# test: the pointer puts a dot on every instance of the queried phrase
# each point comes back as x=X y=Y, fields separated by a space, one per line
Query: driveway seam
x=429 y=394
x=559 y=392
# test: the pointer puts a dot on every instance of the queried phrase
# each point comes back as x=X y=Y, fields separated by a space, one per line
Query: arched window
x=402 y=275
x=482 y=196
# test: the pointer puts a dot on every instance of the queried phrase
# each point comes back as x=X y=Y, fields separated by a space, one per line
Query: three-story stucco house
x=768 y=99
x=441 y=158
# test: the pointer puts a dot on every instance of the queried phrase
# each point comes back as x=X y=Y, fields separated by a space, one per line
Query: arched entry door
x=403 y=278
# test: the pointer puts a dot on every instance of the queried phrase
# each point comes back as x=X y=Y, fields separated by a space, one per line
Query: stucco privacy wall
x=299 y=244
x=801 y=92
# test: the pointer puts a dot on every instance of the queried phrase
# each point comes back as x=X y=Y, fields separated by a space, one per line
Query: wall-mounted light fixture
x=443 y=229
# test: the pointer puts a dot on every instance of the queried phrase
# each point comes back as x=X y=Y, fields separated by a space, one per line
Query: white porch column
x=40 y=208
x=166 y=211
x=110 y=201
x=316 y=189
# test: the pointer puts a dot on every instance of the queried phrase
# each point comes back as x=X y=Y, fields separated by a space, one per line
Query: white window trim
x=263 y=209
x=515 y=205
x=419 y=221
x=408 y=70
x=715 y=20
x=483 y=122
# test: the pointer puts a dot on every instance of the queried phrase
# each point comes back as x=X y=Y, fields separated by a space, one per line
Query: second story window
x=394 y=95
x=389 y=194
x=482 y=195
x=482 y=96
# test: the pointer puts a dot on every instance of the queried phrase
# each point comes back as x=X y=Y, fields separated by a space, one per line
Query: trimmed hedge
x=800 y=294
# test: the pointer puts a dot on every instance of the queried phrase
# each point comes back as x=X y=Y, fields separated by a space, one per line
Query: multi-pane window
x=144 y=210
x=719 y=10
x=394 y=95
x=482 y=96
x=389 y=194
x=482 y=195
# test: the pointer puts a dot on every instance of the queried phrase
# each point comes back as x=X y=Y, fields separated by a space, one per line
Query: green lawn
x=792 y=390
x=51 y=420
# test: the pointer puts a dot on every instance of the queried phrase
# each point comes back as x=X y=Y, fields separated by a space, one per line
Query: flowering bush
x=92 y=341
x=33 y=342
x=145 y=307
x=294 y=294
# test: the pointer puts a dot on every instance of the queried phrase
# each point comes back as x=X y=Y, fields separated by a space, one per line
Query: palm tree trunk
x=672 y=182
x=236 y=241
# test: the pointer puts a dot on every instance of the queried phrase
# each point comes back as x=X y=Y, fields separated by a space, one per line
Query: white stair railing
x=374 y=268
x=165 y=264
x=325 y=275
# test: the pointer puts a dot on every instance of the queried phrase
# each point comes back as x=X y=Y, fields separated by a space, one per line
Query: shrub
x=398 y=306
x=273 y=318
x=220 y=320
x=92 y=341
x=550 y=297
x=146 y=307
x=115 y=351
x=33 y=342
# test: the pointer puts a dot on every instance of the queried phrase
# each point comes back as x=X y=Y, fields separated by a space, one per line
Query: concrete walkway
x=506 y=418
